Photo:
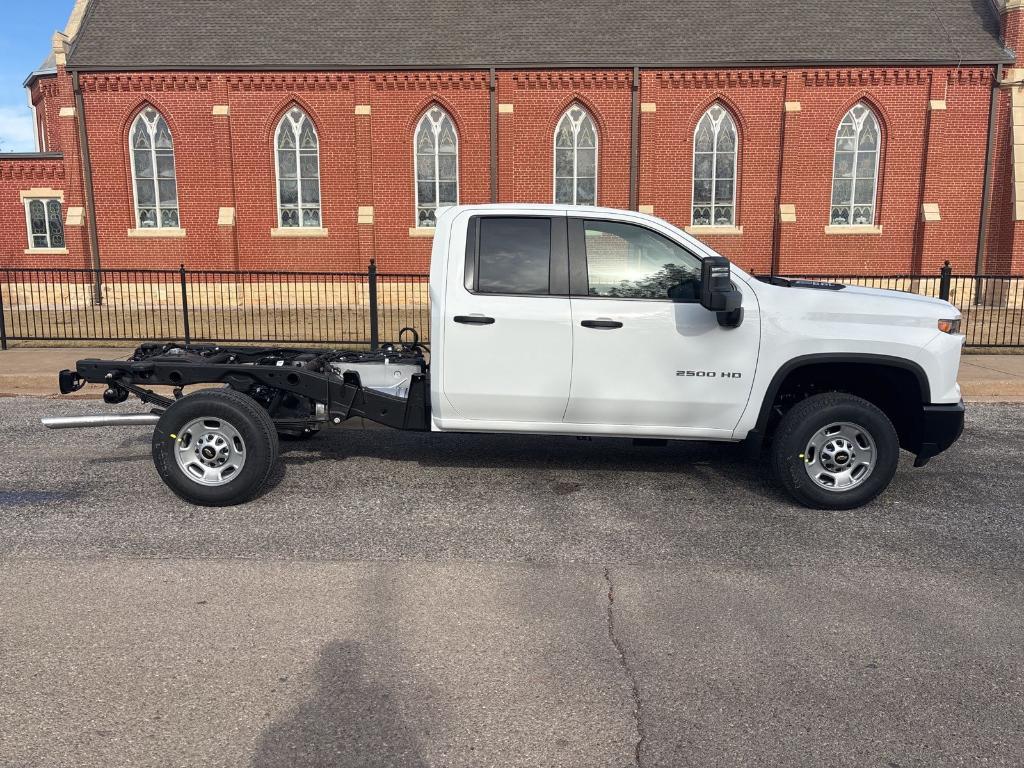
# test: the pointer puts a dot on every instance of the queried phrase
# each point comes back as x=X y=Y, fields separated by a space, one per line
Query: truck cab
x=586 y=321
x=559 y=320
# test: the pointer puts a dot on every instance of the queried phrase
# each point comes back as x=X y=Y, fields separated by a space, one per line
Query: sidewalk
x=992 y=378
x=33 y=372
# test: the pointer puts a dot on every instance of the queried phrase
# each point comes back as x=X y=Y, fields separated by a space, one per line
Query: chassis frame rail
x=344 y=397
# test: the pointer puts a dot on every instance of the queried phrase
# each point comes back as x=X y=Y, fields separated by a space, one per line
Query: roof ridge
x=124 y=35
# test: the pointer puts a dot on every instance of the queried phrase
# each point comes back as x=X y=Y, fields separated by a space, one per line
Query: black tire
x=258 y=446
x=799 y=426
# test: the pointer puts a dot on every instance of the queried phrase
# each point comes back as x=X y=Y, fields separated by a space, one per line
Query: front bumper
x=941 y=426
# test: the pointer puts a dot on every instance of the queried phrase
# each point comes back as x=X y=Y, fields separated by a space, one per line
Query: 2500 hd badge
x=711 y=374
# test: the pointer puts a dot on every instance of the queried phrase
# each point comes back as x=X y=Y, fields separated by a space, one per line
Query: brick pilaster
x=506 y=139
x=365 y=212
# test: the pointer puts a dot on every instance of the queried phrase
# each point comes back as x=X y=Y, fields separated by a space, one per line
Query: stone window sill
x=46 y=251
x=711 y=230
x=853 y=229
x=299 y=232
x=172 y=232
x=421 y=231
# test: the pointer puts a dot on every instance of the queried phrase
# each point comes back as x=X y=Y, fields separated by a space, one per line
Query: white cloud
x=16 y=133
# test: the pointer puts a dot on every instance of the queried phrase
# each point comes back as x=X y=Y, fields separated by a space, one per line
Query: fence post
x=3 y=324
x=945 y=275
x=97 y=288
x=371 y=280
x=184 y=305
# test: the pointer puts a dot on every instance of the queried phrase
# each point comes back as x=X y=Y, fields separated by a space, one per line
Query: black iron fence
x=348 y=308
x=330 y=308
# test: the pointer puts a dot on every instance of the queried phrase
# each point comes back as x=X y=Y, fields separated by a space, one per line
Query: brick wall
x=17 y=175
x=45 y=96
x=397 y=101
x=226 y=161
x=1005 y=240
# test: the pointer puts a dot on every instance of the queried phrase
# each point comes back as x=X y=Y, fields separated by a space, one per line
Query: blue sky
x=25 y=36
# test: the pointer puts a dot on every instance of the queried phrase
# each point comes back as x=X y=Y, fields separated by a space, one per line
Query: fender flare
x=838 y=357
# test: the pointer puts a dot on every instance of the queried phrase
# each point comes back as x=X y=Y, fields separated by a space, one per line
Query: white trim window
x=436 y=146
x=855 y=169
x=153 y=174
x=576 y=158
x=298 y=171
x=714 y=169
x=44 y=223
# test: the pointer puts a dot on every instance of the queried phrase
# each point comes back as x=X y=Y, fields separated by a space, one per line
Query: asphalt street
x=438 y=600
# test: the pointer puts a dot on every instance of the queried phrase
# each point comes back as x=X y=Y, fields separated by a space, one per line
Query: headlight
x=950 y=326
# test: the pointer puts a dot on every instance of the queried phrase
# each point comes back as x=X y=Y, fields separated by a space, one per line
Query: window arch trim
x=707 y=214
x=576 y=125
x=857 y=212
x=150 y=162
x=430 y=179
x=289 y=169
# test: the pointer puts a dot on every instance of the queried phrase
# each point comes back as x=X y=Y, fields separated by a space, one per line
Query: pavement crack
x=638 y=714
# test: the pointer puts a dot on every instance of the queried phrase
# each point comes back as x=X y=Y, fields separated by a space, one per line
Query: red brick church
x=805 y=136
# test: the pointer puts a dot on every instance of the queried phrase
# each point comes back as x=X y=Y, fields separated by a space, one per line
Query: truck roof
x=548 y=208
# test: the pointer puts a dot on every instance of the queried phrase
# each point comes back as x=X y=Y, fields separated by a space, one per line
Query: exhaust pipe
x=79 y=422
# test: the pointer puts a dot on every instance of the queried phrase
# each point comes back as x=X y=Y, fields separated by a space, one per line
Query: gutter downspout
x=986 y=189
x=634 y=143
x=917 y=242
x=90 y=197
x=493 y=117
x=773 y=266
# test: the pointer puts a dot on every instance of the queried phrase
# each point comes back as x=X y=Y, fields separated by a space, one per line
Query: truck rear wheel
x=835 y=451
x=215 y=448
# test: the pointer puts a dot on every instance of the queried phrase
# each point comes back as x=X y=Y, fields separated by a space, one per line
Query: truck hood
x=856 y=299
x=913 y=301
x=829 y=305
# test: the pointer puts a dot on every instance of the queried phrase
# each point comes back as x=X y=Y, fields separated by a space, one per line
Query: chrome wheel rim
x=840 y=456
x=209 y=451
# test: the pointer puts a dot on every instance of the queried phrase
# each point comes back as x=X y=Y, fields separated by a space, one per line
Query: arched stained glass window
x=855 y=170
x=298 y=171
x=714 y=169
x=576 y=158
x=153 y=173
x=436 y=147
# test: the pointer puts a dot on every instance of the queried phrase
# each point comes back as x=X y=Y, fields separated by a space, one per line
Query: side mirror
x=717 y=292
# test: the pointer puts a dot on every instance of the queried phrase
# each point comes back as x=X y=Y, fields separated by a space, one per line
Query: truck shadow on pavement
x=351 y=718
x=697 y=460
x=495 y=451
x=725 y=463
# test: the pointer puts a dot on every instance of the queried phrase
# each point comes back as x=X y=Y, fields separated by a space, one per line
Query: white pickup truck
x=580 y=321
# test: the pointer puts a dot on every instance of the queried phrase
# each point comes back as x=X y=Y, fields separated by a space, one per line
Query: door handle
x=601 y=324
x=473 y=320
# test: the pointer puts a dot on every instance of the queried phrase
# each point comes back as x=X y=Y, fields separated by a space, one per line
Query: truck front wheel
x=835 y=451
x=215 y=448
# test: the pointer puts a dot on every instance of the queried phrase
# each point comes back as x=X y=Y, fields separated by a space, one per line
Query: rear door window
x=514 y=255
